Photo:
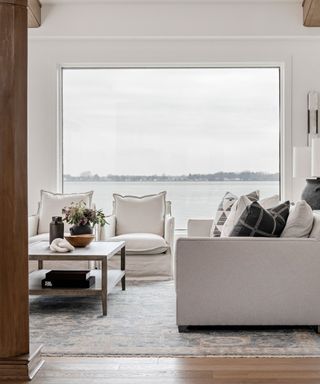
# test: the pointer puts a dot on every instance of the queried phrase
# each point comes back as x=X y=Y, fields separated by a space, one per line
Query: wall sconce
x=313 y=114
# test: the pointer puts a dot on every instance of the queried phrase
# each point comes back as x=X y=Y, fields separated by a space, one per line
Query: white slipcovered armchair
x=146 y=225
x=51 y=204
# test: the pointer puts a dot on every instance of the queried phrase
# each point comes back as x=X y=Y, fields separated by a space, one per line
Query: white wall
x=167 y=33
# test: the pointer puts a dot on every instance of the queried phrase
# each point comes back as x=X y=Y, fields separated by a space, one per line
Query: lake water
x=189 y=199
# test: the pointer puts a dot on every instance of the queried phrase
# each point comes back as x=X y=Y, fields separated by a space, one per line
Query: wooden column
x=15 y=356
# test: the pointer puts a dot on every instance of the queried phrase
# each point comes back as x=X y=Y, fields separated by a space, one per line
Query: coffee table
x=105 y=279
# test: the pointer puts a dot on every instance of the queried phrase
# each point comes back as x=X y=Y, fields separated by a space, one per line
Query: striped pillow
x=224 y=210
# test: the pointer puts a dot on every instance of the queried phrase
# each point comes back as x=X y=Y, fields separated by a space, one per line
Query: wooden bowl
x=80 y=241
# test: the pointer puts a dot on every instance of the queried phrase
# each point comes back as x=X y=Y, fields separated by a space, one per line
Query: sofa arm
x=199 y=227
x=169 y=230
x=33 y=222
x=108 y=230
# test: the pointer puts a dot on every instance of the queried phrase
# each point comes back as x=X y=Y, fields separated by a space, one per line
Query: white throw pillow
x=300 y=221
x=270 y=202
x=236 y=211
x=136 y=214
x=315 y=232
x=51 y=204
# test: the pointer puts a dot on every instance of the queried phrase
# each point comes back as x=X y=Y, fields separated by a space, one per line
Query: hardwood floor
x=71 y=370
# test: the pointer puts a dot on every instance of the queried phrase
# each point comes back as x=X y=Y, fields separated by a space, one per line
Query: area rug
x=141 y=321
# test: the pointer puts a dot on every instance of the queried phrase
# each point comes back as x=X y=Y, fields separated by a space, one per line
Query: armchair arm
x=33 y=222
x=199 y=227
x=169 y=230
x=107 y=231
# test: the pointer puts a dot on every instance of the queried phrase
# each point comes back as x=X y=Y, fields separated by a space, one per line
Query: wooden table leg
x=104 y=286
x=40 y=264
x=123 y=267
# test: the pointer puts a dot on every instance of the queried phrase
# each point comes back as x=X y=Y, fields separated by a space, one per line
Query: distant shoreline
x=215 y=177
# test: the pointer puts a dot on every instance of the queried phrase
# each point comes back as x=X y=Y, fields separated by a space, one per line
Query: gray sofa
x=247 y=281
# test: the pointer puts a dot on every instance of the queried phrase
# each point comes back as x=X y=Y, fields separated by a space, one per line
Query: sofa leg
x=317 y=327
x=182 y=328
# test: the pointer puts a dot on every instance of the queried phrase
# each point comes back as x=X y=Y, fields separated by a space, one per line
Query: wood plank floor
x=71 y=370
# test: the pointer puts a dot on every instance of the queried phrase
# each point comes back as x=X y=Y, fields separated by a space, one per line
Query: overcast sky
x=170 y=121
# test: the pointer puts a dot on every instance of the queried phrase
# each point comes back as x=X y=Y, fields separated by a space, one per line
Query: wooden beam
x=311 y=13
x=34 y=14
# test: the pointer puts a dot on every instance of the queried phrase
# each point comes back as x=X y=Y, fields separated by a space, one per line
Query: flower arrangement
x=79 y=215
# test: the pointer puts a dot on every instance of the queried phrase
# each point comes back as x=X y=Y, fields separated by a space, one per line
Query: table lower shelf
x=35 y=288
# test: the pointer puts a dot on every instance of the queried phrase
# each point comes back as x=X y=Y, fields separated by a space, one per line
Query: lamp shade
x=301 y=162
x=315 y=157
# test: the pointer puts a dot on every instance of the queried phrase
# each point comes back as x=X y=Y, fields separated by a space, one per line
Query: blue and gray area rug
x=141 y=321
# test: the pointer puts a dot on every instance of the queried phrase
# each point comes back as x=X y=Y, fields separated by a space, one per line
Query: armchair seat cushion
x=142 y=243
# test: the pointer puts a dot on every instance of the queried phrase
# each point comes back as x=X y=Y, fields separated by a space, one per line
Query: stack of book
x=68 y=279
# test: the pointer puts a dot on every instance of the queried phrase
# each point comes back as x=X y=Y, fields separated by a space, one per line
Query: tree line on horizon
x=218 y=176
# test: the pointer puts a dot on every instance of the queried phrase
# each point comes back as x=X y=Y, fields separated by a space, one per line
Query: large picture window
x=194 y=132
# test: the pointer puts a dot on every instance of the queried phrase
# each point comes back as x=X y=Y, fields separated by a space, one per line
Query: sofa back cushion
x=143 y=214
x=51 y=204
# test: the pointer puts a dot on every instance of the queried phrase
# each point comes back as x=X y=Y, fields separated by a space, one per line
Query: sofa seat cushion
x=135 y=214
x=142 y=243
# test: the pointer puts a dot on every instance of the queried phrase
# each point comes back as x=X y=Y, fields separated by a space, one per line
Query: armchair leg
x=317 y=328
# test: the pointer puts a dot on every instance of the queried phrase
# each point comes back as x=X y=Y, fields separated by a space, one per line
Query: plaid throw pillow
x=224 y=210
x=259 y=222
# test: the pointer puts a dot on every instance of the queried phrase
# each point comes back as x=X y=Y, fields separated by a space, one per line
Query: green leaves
x=79 y=214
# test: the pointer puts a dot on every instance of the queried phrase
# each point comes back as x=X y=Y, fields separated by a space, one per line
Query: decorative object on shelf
x=313 y=114
x=68 y=279
x=80 y=241
x=56 y=229
x=311 y=193
x=83 y=219
x=306 y=164
x=61 y=246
